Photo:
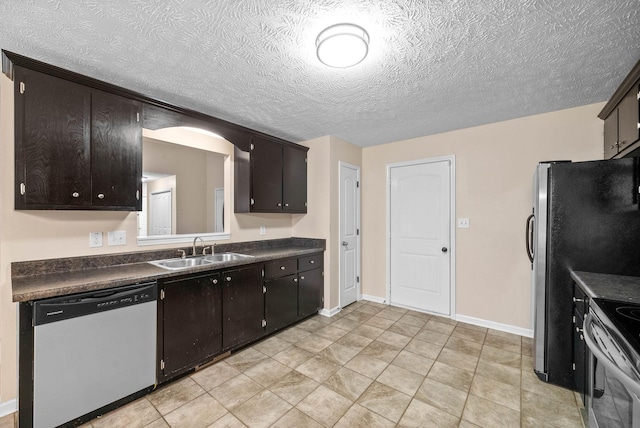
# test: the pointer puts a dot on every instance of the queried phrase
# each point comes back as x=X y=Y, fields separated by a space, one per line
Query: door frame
x=452 y=225
x=358 y=240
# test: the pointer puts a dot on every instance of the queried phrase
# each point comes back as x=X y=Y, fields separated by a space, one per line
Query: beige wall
x=34 y=235
x=322 y=219
x=494 y=168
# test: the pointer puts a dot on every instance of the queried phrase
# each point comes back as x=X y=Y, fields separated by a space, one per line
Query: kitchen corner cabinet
x=242 y=306
x=310 y=284
x=189 y=323
x=76 y=147
x=271 y=178
x=621 y=117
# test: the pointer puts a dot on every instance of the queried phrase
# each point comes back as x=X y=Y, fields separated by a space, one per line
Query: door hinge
x=138 y=117
x=264 y=289
x=357 y=184
x=252 y=201
x=23 y=189
x=357 y=231
x=23 y=88
x=161 y=364
x=161 y=294
x=305 y=205
x=264 y=323
x=638 y=95
x=305 y=160
x=573 y=366
x=252 y=146
x=263 y=273
x=358 y=279
x=137 y=195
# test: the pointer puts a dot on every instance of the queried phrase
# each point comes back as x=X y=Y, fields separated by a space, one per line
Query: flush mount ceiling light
x=342 y=45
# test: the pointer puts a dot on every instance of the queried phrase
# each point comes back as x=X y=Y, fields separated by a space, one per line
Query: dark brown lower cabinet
x=242 y=306
x=281 y=302
x=191 y=322
x=310 y=286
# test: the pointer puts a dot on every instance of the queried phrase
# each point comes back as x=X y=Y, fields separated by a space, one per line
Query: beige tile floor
x=371 y=365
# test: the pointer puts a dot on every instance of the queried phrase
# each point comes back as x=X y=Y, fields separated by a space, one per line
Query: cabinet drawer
x=279 y=268
x=310 y=262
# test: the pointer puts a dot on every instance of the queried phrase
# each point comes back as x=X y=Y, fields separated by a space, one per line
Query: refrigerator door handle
x=529 y=236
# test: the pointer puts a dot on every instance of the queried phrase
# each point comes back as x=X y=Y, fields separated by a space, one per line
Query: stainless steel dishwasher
x=92 y=349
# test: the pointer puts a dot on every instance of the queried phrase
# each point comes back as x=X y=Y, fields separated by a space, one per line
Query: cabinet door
x=310 y=287
x=192 y=322
x=116 y=144
x=579 y=355
x=628 y=119
x=294 y=180
x=52 y=141
x=266 y=176
x=611 y=135
x=281 y=302
x=242 y=306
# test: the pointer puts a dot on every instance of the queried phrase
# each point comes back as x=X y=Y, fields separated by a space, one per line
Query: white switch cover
x=263 y=230
x=463 y=223
x=118 y=237
x=95 y=239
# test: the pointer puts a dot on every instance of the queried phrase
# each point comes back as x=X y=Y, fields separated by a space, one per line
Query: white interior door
x=349 y=233
x=160 y=213
x=420 y=229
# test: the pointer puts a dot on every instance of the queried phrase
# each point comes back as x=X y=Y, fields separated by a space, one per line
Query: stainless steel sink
x=225 y=257
x=175 y=264
x=209 y=259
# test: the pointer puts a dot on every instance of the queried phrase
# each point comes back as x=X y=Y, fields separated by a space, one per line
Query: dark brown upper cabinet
x=621 y=117
x=76 y=147
x=271 y=178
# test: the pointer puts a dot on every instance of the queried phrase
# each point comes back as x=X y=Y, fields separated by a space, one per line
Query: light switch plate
x=463 y=223
x=118 y=237
x=95 y=239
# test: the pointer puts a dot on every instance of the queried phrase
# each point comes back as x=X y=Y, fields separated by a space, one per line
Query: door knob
x=445 y=249
x=345 y=243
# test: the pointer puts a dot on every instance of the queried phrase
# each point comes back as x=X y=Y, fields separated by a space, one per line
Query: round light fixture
x=342 y=45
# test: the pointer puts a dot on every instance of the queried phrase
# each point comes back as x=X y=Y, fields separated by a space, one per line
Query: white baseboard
x=8 y=407
x=495 y=325
x=374 y=299
x=329 y=312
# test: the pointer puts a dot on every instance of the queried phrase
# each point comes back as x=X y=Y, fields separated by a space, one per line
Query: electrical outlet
x=95 y=239
x=463 y=223
x=263 y=230
x=118 y=237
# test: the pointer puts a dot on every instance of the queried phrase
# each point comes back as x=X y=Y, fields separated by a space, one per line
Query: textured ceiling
x=433 y=65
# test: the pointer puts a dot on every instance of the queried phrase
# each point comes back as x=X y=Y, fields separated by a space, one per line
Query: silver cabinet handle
x=633 y=385
x=286 y=205
x=282 y=268
x=576 y=300
x=312 y=261
x=279 y=204
x=75 y=194
x=228 y=279
x=295 y=279
x=214 y=281
x=100 y=195
x=302 y=278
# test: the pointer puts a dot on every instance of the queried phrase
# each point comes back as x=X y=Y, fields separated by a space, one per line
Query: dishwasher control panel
x=65 y=307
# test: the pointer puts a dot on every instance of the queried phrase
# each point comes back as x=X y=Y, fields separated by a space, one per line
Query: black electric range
x=625 y=317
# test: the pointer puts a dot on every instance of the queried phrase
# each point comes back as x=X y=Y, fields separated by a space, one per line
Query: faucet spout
x=193 y=253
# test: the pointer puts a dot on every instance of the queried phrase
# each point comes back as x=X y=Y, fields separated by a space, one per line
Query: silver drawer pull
x=312 y=261
x=302 y=278
x=100 y=195
x=228 y=279
x=282 y=268
x=75 y=194
x=214 y=281
x=295 y=279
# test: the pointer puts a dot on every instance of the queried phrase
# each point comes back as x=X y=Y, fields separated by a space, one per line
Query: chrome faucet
x=194 y=244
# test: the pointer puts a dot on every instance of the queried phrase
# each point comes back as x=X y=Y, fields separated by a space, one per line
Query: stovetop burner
x=632 y=312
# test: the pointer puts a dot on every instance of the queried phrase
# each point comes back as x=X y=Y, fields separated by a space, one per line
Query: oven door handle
x=631 y=384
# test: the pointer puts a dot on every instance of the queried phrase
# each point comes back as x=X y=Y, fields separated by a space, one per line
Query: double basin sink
x=206 y=260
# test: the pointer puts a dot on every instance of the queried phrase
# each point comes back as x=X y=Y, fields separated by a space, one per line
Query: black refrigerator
x=585 y=217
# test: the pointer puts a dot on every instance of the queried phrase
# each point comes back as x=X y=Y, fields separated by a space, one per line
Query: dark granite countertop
x=40 y=279
x=611 y=287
